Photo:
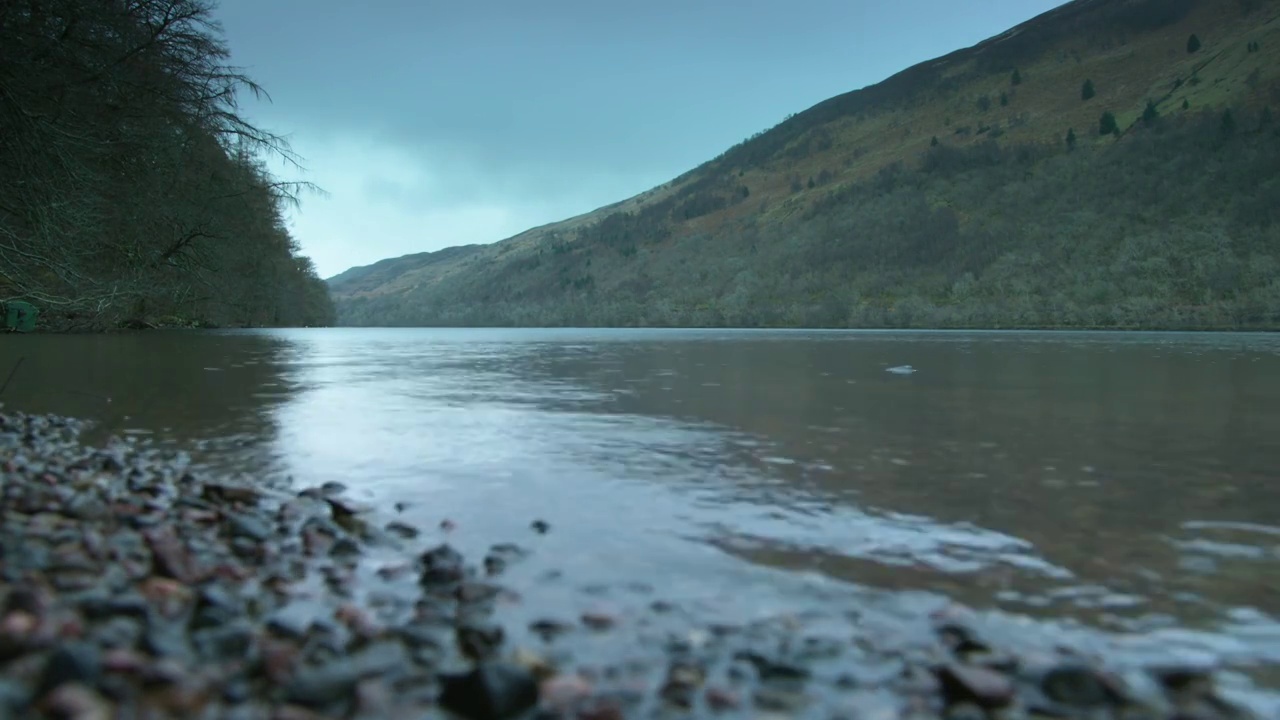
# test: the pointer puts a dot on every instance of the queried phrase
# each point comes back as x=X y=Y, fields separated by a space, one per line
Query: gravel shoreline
x=134 y=587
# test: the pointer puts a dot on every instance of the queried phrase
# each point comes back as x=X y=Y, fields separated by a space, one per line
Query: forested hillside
x=1112 y=163
x=132 y=191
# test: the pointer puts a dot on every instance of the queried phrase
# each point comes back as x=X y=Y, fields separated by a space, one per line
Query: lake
x=1113 y=483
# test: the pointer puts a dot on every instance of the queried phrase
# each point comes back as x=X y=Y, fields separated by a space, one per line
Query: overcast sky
x=435 y=123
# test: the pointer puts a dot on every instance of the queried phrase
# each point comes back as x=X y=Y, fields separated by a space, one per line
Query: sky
x=430 y=124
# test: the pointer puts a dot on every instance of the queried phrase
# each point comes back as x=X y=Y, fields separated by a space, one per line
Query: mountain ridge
x=1022 y=89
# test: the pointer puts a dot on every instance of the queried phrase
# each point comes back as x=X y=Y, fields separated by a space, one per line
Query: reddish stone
x=598 y=620
x=172 y=558
x=278 y=659
x=123 y=661
x=562 y=692
x=722 y=699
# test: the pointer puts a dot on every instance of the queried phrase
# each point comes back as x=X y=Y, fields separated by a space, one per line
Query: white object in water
x=901 y=370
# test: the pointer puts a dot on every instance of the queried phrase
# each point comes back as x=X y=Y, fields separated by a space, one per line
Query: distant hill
x=1111 y=163
x=377 y=276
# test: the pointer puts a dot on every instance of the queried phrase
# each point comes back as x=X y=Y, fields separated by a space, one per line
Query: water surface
x=1126 y=482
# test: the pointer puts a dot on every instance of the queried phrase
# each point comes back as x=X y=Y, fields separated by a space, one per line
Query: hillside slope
x=1109 y=163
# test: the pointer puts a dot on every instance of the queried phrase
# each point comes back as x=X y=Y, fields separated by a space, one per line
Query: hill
x=1111 y=163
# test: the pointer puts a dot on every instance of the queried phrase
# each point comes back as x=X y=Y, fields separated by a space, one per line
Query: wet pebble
x=480 y=640
x=550 y=629
x=442 y=565
x=770 y=670
x=324 y=685
x=13 y=697
x=231 y=494
x=251 y=527
x=402 y=530
x=75 y=662
x=598 y=619
x=73 y=701
x=1079 y=686
x=118 y=632
x=227 y=642
x=500 y=556
x=682 y=684
x=291 y=621
x=968 y=683
x=345 y=547
x=133 y=588
x=491 y=691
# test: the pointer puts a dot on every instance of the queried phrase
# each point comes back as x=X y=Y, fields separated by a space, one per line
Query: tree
x=1071 y=139
x=1186 y=104
x=984 y=103
x=1004 y=99
x=1228 y=123
x=1087 y=91
x=1150 y=114
x=1016 y=79
x=1107 y=124
x=1193 y=43
x=131 y=187
x=934 y=141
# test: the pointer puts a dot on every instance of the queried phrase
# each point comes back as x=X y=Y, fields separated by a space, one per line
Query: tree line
x=133 y=191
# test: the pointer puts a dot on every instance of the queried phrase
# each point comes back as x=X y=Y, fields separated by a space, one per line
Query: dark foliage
x=1150 y=114
x=131 y=190
x=1107 y=124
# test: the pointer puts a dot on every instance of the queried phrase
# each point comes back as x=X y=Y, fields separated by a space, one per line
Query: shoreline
x=1203 y=330
x=134 y=584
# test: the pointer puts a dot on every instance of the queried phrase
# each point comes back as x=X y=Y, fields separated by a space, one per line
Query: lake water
x=1128 y=483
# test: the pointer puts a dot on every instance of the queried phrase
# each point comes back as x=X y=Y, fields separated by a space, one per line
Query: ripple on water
x=726 y=503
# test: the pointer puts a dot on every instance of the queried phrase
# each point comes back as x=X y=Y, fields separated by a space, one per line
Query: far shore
x=1223 y=330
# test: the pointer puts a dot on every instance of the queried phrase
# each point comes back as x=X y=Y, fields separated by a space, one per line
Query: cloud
x=434 y=123
x=384 y=199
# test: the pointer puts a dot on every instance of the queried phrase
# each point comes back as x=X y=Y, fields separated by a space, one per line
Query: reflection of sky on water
x=490 y=443
x=643 y=440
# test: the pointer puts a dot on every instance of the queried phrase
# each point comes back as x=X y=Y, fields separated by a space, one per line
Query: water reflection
x=1093 y=448
x=216 y=388
x=1118 y=479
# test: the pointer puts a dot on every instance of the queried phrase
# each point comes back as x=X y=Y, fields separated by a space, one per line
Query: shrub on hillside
x=1107 y=124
